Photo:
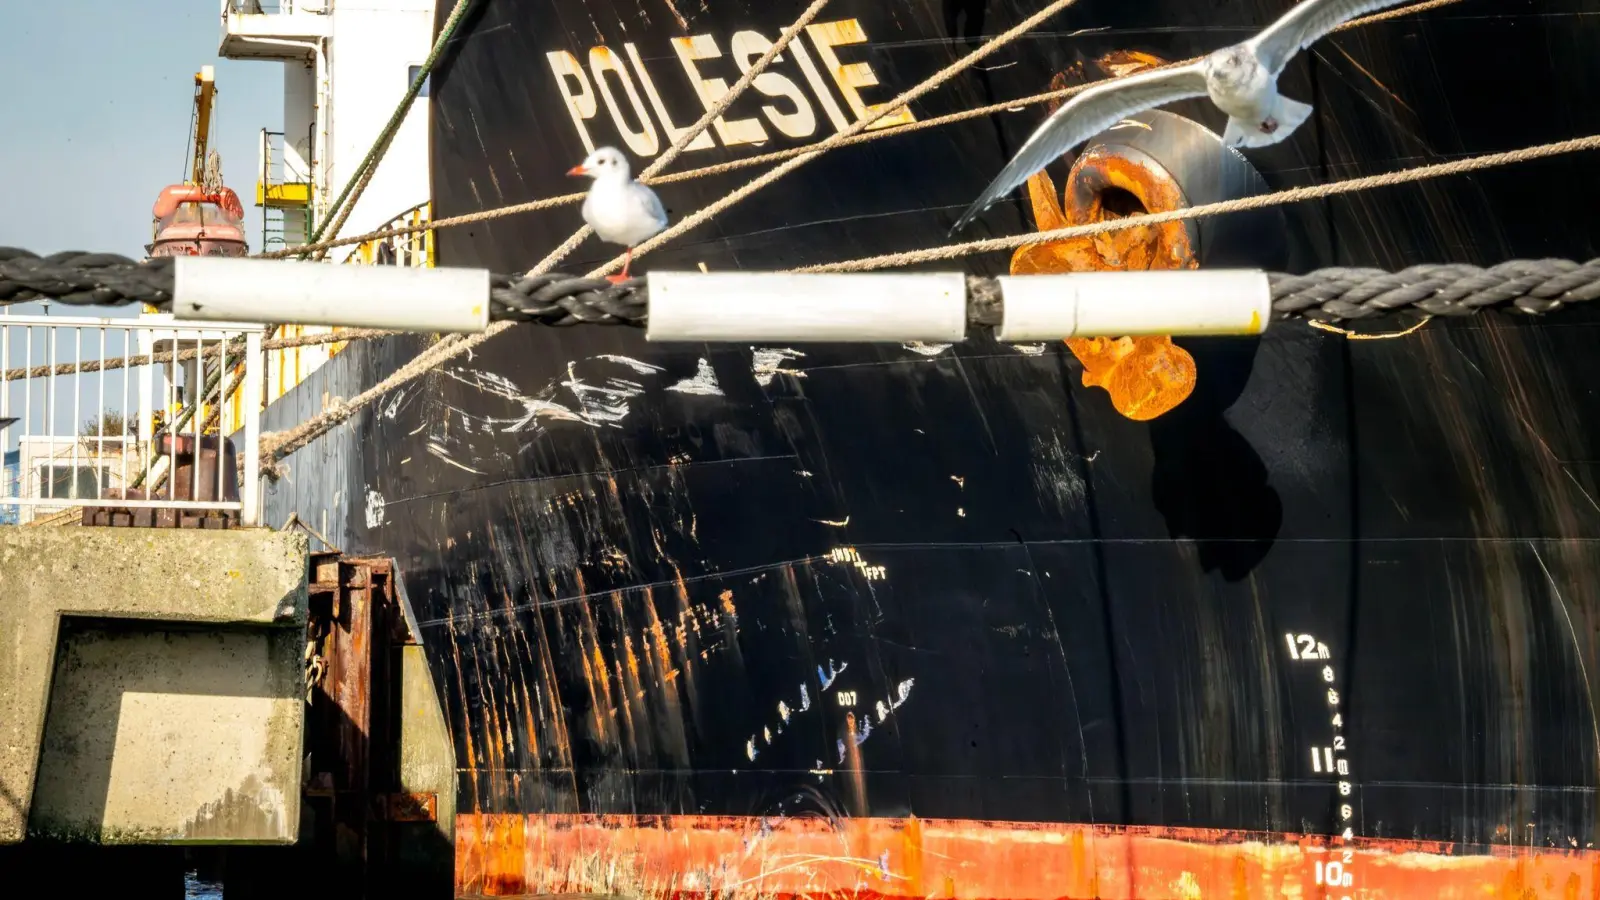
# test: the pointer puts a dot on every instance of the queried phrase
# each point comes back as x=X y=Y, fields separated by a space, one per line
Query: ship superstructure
x=345 y=66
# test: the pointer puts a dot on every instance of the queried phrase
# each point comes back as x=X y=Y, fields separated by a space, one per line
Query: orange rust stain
x=596 y=674
x=658 y=637
x=600 y=667
x=660 y=663
x=852 y=761
x=461 y=693
x=533 y=729
x=633 y=688
x=911 y=852
x=684 y=651
x=1241 y=883
x=627 y=708
x=633 y=658
x=1393 y=97
x=551 y=705
x=1077 y=858
x=754 y=857
x=495 y=743
x=1118 y=63
x=697 y=616
x=521 y=684
x=1145 y=376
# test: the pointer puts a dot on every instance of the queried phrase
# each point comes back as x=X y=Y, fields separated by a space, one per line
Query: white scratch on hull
x=374 y=508
x=499 y=385
x=827 y=678
x=643 y=368
x=884 y=710
x=926 y=349
x=1054 y=474
x=767 y=363
x=682 y=22
x=702 y=384
x=393 y=409
x=439 y=451
x=602 y=405
x=596 y=402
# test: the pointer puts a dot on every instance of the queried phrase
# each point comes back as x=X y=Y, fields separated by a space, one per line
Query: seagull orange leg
x=626 y=262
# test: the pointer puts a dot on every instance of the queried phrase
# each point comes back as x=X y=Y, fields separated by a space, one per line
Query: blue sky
x=97 y=114
x=95 y=122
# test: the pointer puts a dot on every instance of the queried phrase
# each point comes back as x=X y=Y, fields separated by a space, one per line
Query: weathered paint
x=661 y=857
x=1145 y=376
x=1094 y=619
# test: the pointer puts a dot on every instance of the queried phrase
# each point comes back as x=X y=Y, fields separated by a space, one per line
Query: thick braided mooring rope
x=1534 y=286
x=1327 y=295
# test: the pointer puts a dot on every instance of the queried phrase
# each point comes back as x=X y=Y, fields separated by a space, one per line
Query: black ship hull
x=941 y=621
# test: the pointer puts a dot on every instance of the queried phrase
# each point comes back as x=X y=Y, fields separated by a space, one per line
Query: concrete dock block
x=151 y=686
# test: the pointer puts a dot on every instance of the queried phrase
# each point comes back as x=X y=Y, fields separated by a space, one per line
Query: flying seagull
x=619 y=209
x=1242 y=80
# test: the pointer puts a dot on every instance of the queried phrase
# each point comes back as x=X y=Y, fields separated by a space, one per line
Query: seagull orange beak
x=576 y=171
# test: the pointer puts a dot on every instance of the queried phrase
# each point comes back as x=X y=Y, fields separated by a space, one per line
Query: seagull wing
x=649 y=204
x=1085 y=116
x=1303 y=25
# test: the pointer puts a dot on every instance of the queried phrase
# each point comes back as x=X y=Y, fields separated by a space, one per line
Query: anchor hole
x=1120 y=203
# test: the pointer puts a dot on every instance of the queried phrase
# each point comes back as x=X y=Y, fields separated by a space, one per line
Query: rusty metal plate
x=409 y=807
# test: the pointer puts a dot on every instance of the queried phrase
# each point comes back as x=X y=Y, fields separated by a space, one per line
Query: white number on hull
x=1334 y=875
x=1304 y=646
x=1324 y=762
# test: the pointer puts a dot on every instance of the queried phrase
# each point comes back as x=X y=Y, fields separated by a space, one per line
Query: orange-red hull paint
x=678 y=856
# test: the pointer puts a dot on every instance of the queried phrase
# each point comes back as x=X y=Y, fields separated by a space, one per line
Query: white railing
x=258 y=7
x=128 y=413
x=274 y=7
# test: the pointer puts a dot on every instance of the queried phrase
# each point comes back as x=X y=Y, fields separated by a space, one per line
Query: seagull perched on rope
x=1242 y=80
x=619 y=209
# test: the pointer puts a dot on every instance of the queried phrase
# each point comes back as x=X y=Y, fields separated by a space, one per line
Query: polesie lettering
x=628 y=88
x=690 y=50
x=603 y=62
